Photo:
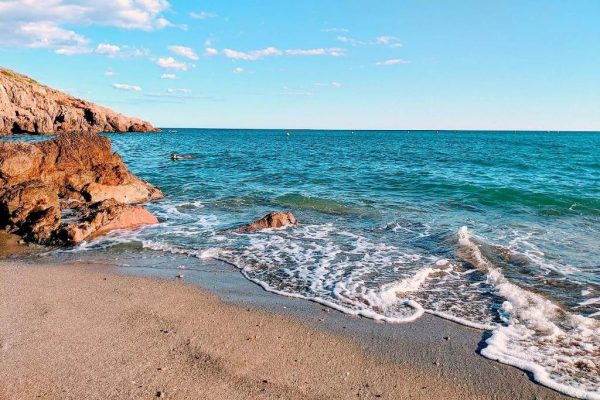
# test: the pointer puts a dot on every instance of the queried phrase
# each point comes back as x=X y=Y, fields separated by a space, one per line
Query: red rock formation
x=277 y=219
x=31 y=209
x=103 y=217
x=79 y=167
x=69 y=171
x=29 y=107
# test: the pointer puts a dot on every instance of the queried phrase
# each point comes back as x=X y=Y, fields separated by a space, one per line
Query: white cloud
x=272 y=51
x=210 y=52
x=183 y=51
x=107 y=49
x=305 y=94
x=165 y=23
x=391 y=41
x=203 y=15
x=353 y=42
x=341 y=30
x=34 y=23
x=252 y=55
x=184 y=91
x=335 y=52
x=168 y=76
x=124 y=86
x=333 y=84
x=238 y=70
x=72 y=50
x=109 y=72
x=135 y=52
x=42 y=35
x=395 y=61
x=171 y=63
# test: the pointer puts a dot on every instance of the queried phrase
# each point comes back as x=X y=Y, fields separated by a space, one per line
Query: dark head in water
x=175 y=156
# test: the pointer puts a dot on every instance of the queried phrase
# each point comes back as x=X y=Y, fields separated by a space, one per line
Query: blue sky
x=339 y=64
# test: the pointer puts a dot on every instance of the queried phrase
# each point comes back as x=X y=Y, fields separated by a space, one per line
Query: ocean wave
x=323 y=205
x=357 y=276
x=557 y=204
x=559 y=349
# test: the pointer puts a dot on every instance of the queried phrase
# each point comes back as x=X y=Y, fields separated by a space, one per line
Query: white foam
x=555 y=346
x=595 y=300
x=210 y=253
x=331 y=267
x=521 y=243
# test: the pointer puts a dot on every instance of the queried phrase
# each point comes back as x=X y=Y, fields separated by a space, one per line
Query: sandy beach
x=77 y=331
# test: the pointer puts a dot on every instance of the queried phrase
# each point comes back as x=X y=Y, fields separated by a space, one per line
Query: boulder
x=103 y=217
x=276 y=219
x=134 y=192
x=27 y=106
x=77 y=166
x=30 y=209
x=73 y=170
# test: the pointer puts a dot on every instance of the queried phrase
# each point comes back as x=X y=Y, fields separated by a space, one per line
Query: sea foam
x=559 y=349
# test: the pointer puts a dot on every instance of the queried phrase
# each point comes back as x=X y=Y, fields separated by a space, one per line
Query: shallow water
x=495 y=230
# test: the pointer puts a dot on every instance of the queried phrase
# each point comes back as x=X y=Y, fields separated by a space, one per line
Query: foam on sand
x=559 y=349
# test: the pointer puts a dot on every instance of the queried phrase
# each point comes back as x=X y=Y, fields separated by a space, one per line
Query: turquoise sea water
x=496 y=230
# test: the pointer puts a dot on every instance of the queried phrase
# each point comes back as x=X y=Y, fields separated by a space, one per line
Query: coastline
x=94 y=331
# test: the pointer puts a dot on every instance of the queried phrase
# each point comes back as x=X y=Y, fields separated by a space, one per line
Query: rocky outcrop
x=40 y=181
x=103 y=217
x=31 y=209
x=277 y=219
x=29 y=107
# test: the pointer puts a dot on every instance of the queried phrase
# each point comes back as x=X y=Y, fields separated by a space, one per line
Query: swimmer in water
x=175 y=156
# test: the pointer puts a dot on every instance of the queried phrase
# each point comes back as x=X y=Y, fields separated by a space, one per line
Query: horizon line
x=388 y=130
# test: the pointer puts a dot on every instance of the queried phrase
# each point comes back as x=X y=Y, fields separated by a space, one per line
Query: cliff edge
x=27 y=106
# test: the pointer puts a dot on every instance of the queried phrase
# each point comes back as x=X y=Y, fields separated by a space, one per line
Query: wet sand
x=11 y=245
x=80 y=331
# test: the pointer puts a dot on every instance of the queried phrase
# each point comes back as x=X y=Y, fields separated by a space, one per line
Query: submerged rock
x=27 y=106
x=78 y=171
x=103 y=217
x=276 y=219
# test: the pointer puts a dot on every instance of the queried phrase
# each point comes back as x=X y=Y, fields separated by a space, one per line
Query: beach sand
x=85 y=332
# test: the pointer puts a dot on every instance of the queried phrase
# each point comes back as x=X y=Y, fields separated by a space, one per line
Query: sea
x=498 y=231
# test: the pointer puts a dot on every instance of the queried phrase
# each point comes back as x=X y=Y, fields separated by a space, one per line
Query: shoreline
x=215 y=334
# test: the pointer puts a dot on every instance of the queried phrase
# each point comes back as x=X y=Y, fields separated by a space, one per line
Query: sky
x=318 y=64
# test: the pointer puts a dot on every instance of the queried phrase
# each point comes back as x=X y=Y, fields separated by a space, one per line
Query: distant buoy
x=287 y=133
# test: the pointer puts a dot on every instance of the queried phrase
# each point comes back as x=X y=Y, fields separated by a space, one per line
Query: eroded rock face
x=29 y=107
x=103 y=217
x=277 y=219
x=78 y=166
x=37 y=180
x=30 y=209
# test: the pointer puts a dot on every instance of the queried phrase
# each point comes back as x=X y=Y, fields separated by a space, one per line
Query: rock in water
x=78 y=166
x=73 y=170
x=276 y=219
x=26 y=106
x=103 y=217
